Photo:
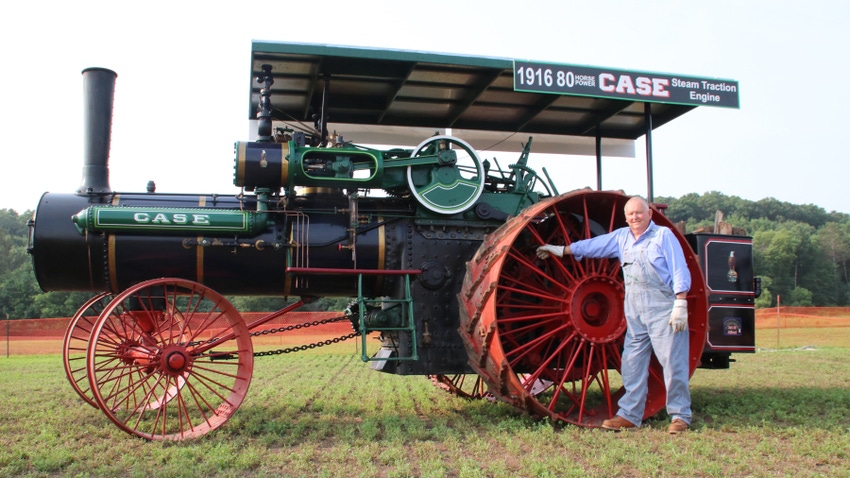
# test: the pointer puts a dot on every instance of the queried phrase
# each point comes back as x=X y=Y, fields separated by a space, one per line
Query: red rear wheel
x=463 y=385
x=546 y=335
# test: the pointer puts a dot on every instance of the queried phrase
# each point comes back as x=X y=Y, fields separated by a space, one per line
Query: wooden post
x=778 y=304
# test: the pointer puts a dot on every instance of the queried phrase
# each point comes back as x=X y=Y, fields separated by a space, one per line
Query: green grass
x=779 y=412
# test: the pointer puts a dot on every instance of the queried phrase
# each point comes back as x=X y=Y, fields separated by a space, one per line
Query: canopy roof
x=387 y=92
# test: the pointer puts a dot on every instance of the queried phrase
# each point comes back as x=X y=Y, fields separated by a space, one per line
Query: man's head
x=638 y=215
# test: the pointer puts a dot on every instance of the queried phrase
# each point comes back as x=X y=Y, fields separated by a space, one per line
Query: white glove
x=544 y=252
x=679 y=316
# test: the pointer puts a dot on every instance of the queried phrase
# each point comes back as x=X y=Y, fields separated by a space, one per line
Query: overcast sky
x=182 y=90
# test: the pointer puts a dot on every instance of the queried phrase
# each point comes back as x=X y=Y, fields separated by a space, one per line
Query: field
x=779 y=412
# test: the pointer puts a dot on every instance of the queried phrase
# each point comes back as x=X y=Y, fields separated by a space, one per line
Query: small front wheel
x=169 y=359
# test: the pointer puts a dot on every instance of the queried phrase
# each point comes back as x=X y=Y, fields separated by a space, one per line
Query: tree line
x=801 y=253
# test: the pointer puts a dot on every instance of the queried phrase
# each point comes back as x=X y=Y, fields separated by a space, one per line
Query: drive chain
x=300 y=348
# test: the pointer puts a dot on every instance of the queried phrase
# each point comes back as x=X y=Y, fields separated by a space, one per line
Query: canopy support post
x=647 y=111
x=598 y=158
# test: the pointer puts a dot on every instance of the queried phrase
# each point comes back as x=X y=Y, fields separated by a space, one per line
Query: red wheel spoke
x=591 y=371
x=564 y=230
x=522 y=350
x=545 y=367
x=184 y=417
x=612 y=222
x=527 y=289
x=124 y=387
x=202 y=404
x=554 y=318
x=207 y=381
x=539 y=274
x=197 y=346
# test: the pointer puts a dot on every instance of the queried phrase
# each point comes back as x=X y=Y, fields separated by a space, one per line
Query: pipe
x=98 y=95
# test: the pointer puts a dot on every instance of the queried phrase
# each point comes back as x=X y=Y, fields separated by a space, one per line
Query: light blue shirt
x=663 y=250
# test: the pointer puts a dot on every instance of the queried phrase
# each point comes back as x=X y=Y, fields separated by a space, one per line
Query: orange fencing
x=802 y=317
x=44 y=336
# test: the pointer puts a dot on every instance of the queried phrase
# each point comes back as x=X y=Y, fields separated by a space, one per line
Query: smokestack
x=98 y=94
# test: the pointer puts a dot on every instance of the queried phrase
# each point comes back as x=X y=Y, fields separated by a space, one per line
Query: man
x=657 y=280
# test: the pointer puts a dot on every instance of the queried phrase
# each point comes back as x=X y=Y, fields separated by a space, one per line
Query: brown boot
x=677 y=426
x=617 y=423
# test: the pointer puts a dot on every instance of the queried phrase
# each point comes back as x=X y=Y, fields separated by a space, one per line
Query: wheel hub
x=131 y=352
x=175 y=360
x=596 y=308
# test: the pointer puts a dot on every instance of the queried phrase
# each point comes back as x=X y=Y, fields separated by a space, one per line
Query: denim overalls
x=648 y=304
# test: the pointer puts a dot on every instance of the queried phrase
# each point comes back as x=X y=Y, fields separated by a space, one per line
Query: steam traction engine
x=442 y=265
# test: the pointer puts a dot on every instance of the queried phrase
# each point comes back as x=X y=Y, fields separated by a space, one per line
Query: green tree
x=774 y=256
x=834 y=242
x=765 y=299
x=17 y=292
x=59 y=304
x=259 y=303
x=800 y=296
x=15 y=224
x=7 y=264
x=790 y=256
x=270 y=304
x=833 y=254
x=17 y=282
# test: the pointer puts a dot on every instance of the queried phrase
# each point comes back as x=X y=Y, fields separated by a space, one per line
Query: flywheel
x=453 y=182
x=547 y=335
